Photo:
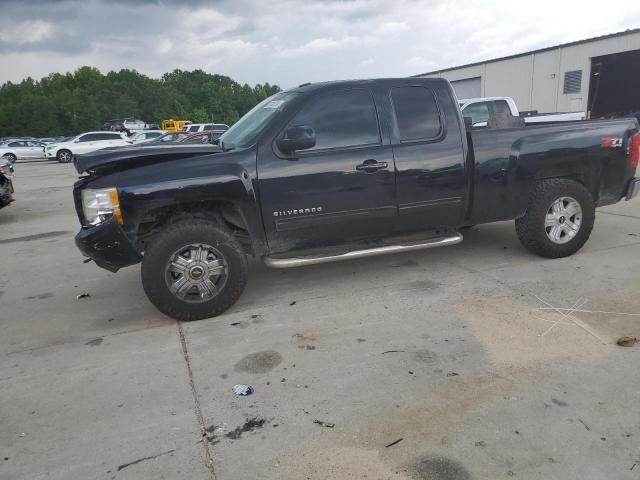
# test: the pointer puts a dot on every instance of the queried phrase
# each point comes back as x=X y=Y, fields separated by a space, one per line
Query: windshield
x=244 y=132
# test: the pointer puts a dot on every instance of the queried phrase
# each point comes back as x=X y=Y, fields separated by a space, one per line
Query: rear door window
x=341 y=119
x=417 y=113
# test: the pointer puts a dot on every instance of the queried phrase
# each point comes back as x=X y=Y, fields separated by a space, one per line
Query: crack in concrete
x=194 y=392
x=62 y=342
x=144 y=459
x=619 y=214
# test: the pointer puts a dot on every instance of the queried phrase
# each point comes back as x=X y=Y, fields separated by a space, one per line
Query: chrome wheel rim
x=10 y=157
x=563 y=219
x=65 y=156
x=196 y=273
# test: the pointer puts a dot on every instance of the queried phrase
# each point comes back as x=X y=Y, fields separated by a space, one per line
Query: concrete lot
x=450 y=350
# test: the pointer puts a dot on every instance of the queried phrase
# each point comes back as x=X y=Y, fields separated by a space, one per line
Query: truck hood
x=123 y=158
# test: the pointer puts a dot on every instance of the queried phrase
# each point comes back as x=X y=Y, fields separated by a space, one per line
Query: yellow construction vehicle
x=175 y=125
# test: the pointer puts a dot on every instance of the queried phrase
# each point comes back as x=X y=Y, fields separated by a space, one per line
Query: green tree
x=60 y=104
x=199 y=115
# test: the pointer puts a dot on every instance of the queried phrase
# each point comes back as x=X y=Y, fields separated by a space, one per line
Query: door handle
x=371 y=166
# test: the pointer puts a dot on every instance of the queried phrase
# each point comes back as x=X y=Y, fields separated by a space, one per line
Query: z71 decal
x=611 y=143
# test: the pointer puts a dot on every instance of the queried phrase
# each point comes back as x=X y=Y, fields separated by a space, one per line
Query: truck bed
x=508 y=161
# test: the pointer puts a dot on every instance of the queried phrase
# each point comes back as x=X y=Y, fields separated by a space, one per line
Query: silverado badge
x=297 y=211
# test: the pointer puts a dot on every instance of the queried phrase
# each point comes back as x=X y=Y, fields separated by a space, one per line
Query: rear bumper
x=633 y=188
x=108 y=246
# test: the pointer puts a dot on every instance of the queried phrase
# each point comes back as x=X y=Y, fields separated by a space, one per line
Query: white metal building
x=599 y=75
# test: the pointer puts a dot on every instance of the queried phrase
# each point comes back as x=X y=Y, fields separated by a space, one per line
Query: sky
x=289 y=42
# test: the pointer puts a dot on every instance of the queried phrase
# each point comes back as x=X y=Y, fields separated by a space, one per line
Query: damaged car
x=336 y=171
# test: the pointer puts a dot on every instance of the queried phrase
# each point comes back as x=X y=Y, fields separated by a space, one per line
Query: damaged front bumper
x=6 y=191
x=5 y=199
x=108 y=246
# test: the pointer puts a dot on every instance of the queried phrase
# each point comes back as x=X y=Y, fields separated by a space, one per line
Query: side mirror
x=297 y=138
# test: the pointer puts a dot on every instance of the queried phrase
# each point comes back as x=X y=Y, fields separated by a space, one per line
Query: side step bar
x=367 y=252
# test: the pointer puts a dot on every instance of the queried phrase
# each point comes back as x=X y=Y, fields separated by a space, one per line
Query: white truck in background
x=481 y=110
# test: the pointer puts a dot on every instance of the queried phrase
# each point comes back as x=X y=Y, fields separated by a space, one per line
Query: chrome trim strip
x=367 y=252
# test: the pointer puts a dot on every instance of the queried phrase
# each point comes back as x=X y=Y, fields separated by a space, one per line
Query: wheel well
x=590 y=182
x=587 y=179
x=225 y=213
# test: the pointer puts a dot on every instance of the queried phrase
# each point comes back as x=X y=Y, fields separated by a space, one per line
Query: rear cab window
x=417 y=114
x=501 y=107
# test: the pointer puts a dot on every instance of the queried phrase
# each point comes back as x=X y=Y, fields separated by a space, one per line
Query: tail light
x=634 y=153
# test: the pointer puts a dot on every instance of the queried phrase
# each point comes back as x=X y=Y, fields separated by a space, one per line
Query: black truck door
x=431 y=176
x=339 y=191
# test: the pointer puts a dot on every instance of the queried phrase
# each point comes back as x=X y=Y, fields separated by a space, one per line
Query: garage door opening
x=613 y=87
x=468 y=88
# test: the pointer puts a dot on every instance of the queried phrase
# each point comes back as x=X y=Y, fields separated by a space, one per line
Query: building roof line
x=540 y=50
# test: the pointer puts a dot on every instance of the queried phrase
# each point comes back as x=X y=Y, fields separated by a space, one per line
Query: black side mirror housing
x=468 y=123
x=297 y=138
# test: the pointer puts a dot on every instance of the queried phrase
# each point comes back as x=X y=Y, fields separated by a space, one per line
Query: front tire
x=64 y=156
x=194 y=269
x=559 y=218
x=10 y=157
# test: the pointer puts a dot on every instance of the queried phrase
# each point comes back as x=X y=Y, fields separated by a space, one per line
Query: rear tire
x=10 y=157
x=64 y=156
x=194 y=269
x=559 y=218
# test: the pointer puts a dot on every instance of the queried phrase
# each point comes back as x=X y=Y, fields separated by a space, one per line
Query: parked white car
x=85 y=143
x=201 y=127
x=480 y=110
x=146 y=135
x=21 y=150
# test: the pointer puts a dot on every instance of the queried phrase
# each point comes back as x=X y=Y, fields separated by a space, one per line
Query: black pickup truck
x=341 y=170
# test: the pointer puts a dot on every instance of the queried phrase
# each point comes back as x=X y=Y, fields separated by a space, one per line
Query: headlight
x=100 y=205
